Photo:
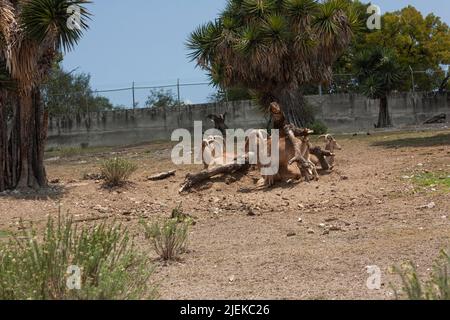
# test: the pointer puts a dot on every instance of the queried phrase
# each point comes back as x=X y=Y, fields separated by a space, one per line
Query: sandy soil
x=294 y=241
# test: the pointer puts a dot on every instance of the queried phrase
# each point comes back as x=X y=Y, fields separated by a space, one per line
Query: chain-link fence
x=138 y=95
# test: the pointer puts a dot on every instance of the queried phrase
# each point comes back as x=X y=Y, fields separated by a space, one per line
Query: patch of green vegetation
x=4 y=234
x=318 y=127
x=436 y=287
x=168 y=238
x=102 y=261
x=68 y=152
x=440 y=181
x=117 y=170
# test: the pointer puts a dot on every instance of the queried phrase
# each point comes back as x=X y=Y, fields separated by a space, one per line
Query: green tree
x=32 y=35
x=68 y=93
x=420 y=42
x=416 y=41
x=274 y=47
x=378 y=74
x=230 y=94
x=161 y=99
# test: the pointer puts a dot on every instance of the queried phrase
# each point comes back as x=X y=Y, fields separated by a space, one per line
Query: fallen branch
x=307 y=168
x=93 y=219
x=194 y=179
x=440 y=118
x=162 y=176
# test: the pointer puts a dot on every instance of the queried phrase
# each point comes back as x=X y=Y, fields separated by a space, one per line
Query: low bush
x=169 y=238
x=436 y=287
x=70 y=264
x=69 y=152
x=116 y=171
x=318 y=127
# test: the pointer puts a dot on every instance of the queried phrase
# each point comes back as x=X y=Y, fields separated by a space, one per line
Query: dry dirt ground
x=294 y=241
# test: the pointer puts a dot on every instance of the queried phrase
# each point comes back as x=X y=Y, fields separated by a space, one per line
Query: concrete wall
x=340 y=112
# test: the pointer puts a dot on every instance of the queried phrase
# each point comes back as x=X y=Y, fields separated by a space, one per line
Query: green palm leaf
x=48 y=18
x=251 y=39
x=203 y=42
x=300 y=8
x=258 y=8
x=276 y=28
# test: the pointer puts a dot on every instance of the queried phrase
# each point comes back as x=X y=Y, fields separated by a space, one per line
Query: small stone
x=344 y=178
x=291 y=234
x=431 y=205
x=300 y=220
x=101 y=209
x=311 y=231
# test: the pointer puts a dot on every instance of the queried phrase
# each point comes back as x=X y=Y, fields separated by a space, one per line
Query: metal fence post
x=178 y=92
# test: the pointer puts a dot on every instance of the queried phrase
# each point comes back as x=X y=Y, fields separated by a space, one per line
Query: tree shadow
x=422 y=142
x=50 y=193
x=283 y=185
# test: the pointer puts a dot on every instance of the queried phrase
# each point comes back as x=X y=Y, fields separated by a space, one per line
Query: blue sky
x=143 y=41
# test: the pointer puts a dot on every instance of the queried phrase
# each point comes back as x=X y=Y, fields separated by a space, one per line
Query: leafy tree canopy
x=231 y=94
x=416 y=41
x=273 y=47
x=69 y=93
x=161 y=98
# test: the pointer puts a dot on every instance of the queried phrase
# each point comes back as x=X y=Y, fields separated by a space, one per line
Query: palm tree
x=274 y=47
x=32 y=34
x=378 y=73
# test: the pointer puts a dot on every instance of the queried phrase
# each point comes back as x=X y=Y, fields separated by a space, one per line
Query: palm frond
x=42 y=19
x=378 y=71
x=276 y=28
x=258 y=8
x=203 y=42
x=250 y=40
x=299 y=9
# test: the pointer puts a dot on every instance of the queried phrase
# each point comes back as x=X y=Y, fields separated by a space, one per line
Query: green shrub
x=318 y=127
x=69 y=152
x=169 y=239
x=37 y=268
x=437 y=180
x=180 y=216
x=116 y=171
x=437 y=287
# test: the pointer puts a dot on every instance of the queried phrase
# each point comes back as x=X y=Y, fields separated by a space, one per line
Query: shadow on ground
x=53 y=192
x=422 y=142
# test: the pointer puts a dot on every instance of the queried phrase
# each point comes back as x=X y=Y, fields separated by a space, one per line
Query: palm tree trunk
x=3 y=140
x=294 y=106
x=22 y=150
x=384 y=117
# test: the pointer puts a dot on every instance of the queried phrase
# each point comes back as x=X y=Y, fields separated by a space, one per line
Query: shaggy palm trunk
x=384 y=117
x=294 y=107
x=22 y=144
x=3 y=139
